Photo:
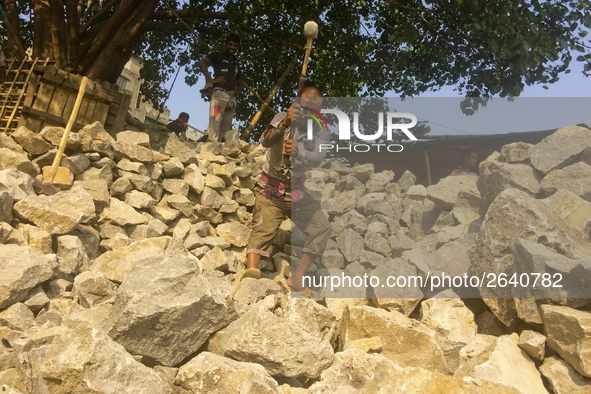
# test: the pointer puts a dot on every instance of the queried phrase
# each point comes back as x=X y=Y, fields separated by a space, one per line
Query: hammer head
x=311 y=29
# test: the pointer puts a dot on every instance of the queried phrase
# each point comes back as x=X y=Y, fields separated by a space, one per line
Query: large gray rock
x=574 y=273
x=98 y=190
x=407 y=180
x=6 y=203
x=533 y=343
x=575 y=178
x=177 y=149
x=116 y=264
x=194 y=178
x=453 y=323
x=562 y=148
x=121 y=214
x=467 y=207
x=17 y=317
x=563 y=378
x=445 y=192
x=132 y=152
x=22 y=269
x=354 y=371
x=133 y=166
x=172 y=167
x=250 y=291
x=59 y=213
x=377 y=242
x=76 y=163
x=406 y=342
x=82 y=359
x=139 y=200
x=209 y=373
x=516 y=152
x=134 y=137
x=312 y=317
x=211 y=198
x=31 y=142
x=503 y=362
x=350 y=244
x=11 y=159
x=176 y=186
x=18 y=184
x=92 y=288
x=280 y=345
x=71 y=253
x=342 y=203
x=402 y=297
x=571 y=208
x=54 y=136
x=165 y=309
x=235 y=233
x=514 y=214
x=180 y=202
x=568 y=332
x=496 y=176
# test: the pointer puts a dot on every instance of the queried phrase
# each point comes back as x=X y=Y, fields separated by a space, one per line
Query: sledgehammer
x=310 y=31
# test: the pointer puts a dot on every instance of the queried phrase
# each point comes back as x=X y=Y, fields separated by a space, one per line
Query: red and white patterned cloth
x=277 y=188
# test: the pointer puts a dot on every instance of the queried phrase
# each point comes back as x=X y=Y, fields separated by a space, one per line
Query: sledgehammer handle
x=73 y=115
x=302 y=81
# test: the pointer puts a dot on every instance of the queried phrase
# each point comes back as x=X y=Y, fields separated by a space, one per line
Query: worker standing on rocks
x=284 y=194
x=226 y=86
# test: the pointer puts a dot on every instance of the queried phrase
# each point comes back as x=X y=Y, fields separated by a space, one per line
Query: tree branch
x=173 y=26
x=164 y=14
x=98 y=15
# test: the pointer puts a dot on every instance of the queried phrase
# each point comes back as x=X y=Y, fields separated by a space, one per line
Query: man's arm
x=314 y=158
x=203 y=65
x=275 y=132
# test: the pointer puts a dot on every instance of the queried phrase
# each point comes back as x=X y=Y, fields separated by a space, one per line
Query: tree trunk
x=58 y=34
x=42 y=43
x=14 y=46
x=72 y=18
x=112 y=47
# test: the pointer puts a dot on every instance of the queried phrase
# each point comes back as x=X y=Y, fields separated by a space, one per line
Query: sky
x=565 y=103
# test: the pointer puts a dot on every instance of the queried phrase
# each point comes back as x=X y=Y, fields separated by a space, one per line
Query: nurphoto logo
x=393 y=122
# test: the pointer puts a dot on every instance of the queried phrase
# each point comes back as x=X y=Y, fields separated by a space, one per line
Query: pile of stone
x=123 y=274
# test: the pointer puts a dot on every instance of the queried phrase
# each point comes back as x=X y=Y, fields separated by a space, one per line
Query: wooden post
x=257 y=116
x=73 y=115
x=428 y=167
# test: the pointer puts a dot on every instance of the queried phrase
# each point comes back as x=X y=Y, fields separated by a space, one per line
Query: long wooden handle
x=308 y=50
x=73 y=116
x=302 y=81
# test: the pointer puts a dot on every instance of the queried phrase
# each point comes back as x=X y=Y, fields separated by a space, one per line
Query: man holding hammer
x=284 y=194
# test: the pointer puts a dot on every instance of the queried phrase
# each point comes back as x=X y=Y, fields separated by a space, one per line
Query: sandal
x=254 y=273
x=306 y=292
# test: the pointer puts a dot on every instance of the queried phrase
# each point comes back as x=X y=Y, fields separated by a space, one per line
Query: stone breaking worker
x=284 y=194
x=468 y=164
x=227 y=84
x=180 y=125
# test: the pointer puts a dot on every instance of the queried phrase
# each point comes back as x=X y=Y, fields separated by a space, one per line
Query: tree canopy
x=364 y=47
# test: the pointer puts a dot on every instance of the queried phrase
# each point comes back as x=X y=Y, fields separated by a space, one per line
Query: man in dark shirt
x=227 y=84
